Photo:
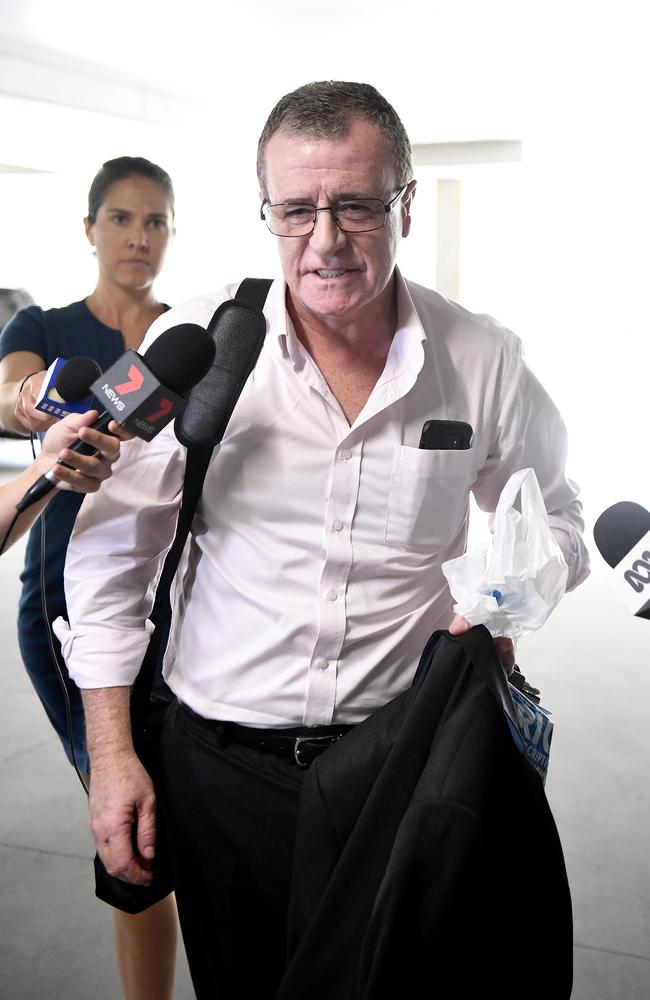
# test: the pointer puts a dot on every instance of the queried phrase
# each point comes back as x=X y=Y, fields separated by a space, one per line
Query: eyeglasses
x=351 y=215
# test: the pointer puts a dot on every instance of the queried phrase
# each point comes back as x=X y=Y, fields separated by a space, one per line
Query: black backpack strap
x=252 y=291
x=196 y=467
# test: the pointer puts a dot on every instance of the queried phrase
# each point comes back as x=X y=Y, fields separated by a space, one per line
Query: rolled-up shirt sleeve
x=115 y=557
x=530 y=433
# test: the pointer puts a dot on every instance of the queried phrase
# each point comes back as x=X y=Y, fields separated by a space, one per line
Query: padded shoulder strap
x=253 y=291
x=238 y=330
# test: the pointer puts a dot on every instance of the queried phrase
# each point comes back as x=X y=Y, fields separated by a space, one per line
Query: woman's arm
x=85 y=474
x=17 y=411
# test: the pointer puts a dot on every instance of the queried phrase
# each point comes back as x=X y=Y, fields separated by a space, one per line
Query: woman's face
x=131 y=232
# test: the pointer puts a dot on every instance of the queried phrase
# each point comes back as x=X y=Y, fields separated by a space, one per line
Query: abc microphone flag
x=622 y=535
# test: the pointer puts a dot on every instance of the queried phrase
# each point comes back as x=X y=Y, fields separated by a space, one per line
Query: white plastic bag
x=512 y=583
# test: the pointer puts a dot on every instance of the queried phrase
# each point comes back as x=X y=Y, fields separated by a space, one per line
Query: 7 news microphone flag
x=142 y=394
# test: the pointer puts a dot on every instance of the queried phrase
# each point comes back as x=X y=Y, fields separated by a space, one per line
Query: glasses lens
x=288 y=219
x=361 y=215
x=357 y=215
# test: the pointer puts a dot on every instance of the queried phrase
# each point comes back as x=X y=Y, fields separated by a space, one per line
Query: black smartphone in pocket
x=446 y=435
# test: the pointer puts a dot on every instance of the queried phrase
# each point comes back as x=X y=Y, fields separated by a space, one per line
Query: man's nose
x=327 y=238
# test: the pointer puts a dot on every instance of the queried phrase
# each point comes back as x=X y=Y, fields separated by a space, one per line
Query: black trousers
x=230 y=815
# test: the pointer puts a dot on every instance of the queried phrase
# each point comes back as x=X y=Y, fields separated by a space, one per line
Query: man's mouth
x=324 y=272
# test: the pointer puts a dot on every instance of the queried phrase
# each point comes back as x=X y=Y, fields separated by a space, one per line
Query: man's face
x=331 y=275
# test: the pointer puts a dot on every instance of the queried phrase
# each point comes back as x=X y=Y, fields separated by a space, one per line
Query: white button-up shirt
x=314 y=576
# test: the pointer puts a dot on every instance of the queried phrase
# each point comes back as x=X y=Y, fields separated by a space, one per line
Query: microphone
x=622 y=536
x=66 y=387
x=142 y=397
x=143 y=394
x=237 y=330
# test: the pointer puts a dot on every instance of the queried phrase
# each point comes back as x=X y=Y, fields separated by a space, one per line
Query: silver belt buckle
x=309 y=739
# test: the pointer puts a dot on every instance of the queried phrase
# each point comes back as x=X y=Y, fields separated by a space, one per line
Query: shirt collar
x=406 y=350
x=284 y=343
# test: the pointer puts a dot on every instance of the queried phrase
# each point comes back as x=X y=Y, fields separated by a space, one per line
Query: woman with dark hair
x=130 y=225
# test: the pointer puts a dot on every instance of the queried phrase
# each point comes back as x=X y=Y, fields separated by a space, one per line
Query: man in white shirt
x=314 y=577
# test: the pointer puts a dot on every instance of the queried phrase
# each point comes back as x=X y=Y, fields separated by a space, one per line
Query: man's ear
x=407 y=198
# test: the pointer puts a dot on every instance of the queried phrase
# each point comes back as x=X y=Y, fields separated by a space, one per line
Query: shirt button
x=331 y=595
x=346 y=455
x=338 y=526
x=322 y=664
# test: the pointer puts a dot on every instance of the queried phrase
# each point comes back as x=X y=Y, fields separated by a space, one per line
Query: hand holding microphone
x=32 y=420
x=81 y=473
x=74 y=471
x=47 y=396
x=142 y=395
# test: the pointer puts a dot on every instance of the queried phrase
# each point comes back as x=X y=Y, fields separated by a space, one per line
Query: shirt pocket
x=428 y=494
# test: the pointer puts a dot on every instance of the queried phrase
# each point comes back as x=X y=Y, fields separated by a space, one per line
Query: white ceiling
x=455 y=70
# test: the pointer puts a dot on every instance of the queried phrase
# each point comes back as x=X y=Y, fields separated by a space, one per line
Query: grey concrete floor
x=592 y=662
x=55 y=936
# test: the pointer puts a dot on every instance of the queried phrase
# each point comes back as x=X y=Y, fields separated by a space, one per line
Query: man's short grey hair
x=323 y=111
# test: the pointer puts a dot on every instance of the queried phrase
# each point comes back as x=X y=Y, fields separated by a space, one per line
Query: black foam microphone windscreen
x=238 y=332
x=74 y=378
x=617 y=532
x=180 y=356
x=619 y=528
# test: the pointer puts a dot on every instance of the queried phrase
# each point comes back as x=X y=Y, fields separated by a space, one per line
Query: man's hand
x=123 y=813
x=25 y=411
x=505 y=648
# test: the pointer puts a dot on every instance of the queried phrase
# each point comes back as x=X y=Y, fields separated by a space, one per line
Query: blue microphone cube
x=51 y=402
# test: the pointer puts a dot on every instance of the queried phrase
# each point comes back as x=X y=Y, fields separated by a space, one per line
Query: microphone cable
x=7 y=534
x=48 y=628
x=55 y=658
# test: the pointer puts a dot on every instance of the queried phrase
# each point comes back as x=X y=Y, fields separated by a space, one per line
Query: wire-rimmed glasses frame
x=374 y=206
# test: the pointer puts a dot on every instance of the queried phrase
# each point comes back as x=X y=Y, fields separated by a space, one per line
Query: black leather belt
x=302 y=745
